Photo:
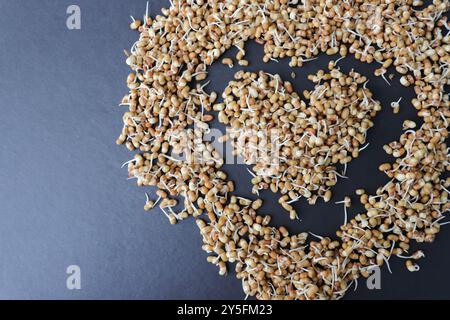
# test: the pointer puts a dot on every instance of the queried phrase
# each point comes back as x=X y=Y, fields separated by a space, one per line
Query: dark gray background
x=64 y=199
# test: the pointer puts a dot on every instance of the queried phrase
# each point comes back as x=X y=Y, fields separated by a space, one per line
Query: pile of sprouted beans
x=168 y=116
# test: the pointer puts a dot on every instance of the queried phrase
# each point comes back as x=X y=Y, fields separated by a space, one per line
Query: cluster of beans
x=176 y=48
x=295 y=145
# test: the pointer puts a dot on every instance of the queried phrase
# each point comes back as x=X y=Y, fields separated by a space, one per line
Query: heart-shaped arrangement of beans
x=292 y=145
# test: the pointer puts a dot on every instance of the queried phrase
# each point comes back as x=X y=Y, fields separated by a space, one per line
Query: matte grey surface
x=65 y=201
